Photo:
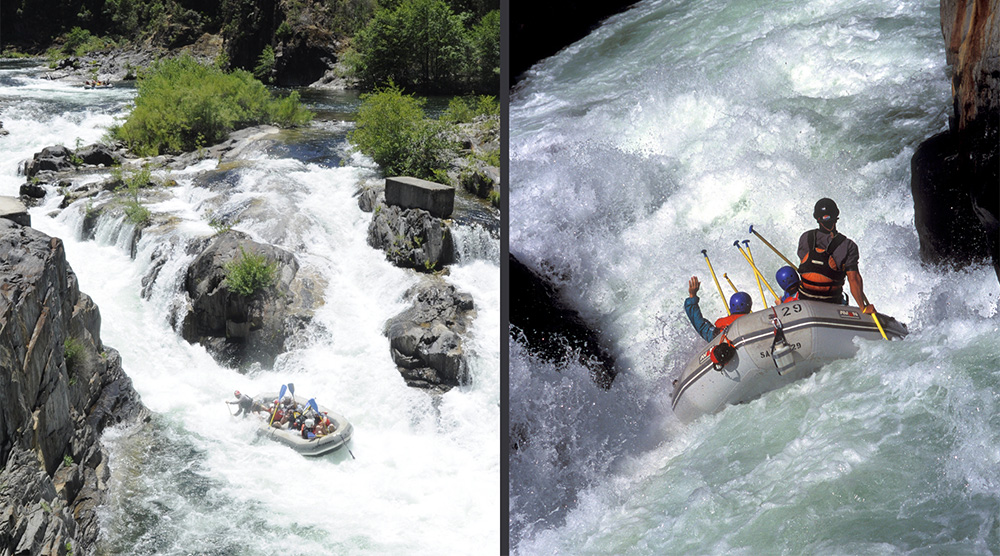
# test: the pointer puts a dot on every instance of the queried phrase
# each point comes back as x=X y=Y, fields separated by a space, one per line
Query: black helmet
x=825 y=210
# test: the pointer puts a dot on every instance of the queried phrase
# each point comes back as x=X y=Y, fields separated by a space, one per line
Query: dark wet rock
x=98 y=155
x=369 y=196
x=61 y=387
x=411 y=238
x=551 y=330
x=426 y=339
x=955 y=174
x=50 y=159
x=244 y=329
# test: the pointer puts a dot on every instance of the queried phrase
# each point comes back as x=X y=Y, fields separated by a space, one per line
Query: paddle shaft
x=773 y=248
x=717 y=285
x=746 y=243
x=757 y=272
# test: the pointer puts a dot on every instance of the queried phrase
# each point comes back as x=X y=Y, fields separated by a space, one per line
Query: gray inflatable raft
x=774 y=347
x=315 y=446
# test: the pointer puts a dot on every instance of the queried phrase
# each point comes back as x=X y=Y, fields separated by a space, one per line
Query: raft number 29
x=767 y=353
x=787 y=310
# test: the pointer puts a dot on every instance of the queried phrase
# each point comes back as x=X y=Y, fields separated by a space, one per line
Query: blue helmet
x=740 y=302
x=787 y=278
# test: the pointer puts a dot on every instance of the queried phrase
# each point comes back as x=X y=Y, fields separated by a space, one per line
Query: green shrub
x=487 y=105
x=135 y=211
x=391 y=129
x=79 y=42
x=180 y=100
x=249 y=273
x=284 y=32
x=465 y=109
x=73 y=351
x=459 y=111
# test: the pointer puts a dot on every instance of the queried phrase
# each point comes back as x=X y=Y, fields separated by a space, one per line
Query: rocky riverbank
x=306 y=64
x=59 y=389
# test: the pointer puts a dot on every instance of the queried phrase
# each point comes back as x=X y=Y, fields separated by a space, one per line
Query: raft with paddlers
x=770 y=348
x=307 y=427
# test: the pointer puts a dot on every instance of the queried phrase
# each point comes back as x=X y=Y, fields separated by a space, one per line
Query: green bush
x=249 y=273
x=391 y=129
x=180 y=101
x=73 y=351
x=79 y=42
x=465 y=109
x=135 y=211
x=459 y=111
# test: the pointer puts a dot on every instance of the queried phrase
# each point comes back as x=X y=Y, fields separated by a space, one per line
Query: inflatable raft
x=316 y=446
x=772 y=348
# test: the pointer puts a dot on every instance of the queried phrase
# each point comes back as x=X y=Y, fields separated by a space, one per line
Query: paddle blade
x=281 y=394
x=312 y=404
x=291 y=388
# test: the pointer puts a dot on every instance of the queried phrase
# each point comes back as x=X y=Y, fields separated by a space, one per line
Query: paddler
x=827 y=258
x=739 y=304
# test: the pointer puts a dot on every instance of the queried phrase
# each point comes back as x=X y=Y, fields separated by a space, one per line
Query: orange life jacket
x=726 y=321
x=821 y=279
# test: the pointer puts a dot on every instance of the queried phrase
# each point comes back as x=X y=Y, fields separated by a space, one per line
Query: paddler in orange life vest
x=739 y=305
x=827 y=259
x=788 y=280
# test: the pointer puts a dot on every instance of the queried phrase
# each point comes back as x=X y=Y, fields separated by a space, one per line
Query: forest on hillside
x=425 y=46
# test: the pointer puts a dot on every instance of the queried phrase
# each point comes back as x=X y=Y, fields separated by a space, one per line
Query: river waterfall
x=194 y=480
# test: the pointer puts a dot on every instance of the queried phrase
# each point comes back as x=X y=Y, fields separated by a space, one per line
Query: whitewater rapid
x=670 y=129
x=426 y=478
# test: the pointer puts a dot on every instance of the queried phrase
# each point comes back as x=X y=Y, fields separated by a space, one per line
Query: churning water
x=671 y=129
x=196 y=481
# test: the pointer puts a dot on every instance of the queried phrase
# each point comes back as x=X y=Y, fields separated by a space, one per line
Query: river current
x=670 y=129
x=423 y=472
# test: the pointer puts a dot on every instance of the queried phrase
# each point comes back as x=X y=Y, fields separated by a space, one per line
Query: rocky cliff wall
x=956 y=174
x=59 y=388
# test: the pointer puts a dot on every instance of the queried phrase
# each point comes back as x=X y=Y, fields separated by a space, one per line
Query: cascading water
x=671 y=129
x=194 y=480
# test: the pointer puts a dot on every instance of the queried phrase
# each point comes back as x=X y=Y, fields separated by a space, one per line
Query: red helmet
x=237 y=393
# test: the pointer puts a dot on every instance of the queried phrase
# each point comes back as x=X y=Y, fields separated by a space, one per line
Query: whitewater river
x=670 y=129
x=426 y=478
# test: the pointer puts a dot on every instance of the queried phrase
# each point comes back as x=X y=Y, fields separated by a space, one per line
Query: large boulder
x=426 y=339
x=411 y=238
x=98 y=155
x=955 y=174
x=51 y=159
x=59 y=389
x=243 y=329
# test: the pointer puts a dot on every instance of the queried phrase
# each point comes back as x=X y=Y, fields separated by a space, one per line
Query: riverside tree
x=183 y=105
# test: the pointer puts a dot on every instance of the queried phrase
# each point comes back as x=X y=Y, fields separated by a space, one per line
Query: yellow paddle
x=724 y=302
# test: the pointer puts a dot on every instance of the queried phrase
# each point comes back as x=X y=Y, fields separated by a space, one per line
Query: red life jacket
x=821 y=279
x=726 y=321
